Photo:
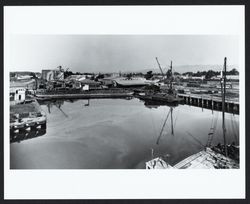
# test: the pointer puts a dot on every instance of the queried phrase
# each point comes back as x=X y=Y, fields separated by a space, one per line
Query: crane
x=159 y=66
x=60 y=76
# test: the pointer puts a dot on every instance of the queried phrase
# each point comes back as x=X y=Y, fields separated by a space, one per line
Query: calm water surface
x=118 y=134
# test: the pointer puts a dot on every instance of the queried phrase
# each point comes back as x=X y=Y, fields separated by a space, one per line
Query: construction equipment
x=160 y=67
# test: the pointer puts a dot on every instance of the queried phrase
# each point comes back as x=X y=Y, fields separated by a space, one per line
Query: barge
x=49 y=96
x=159 y=97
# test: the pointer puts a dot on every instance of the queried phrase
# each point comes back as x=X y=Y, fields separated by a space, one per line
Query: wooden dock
x=83 y=96
x=24 y=134
x=27 y=120
x=205 y=159
x=210 y=102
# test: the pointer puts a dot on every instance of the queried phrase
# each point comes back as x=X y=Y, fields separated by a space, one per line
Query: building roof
x=130 y=82
x=90 y=82
x=13 y=89
x=22 y=83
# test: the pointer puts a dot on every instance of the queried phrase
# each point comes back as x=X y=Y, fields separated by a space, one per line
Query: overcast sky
x=114 y=53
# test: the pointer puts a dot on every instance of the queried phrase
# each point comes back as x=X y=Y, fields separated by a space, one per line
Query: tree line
x=210 y=73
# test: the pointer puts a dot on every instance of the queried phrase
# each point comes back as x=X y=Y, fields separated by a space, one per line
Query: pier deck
x=27 y=115
x=205 y=159
x=211 y=102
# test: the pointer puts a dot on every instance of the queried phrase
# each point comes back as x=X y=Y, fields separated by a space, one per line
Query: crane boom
x=159 y=66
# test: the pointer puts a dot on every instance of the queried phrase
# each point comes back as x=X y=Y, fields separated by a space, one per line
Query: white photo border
x=124 y=184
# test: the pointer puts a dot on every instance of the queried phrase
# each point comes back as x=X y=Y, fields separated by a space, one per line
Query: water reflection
x=157 y=104
x=24 y=134
x=119 y=134
x=170 y=112
x=232 y=130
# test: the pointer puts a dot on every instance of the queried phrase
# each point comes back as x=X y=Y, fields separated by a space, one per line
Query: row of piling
x=210 y=103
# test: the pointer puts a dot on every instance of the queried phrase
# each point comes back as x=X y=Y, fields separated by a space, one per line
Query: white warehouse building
x=17 y=95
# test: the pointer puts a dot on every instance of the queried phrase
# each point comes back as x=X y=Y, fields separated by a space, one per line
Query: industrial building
x=17 y=95
x=51 y=75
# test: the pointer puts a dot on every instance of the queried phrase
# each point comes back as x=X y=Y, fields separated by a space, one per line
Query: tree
x=67 y=74
x=233 y=72
x=148 y=75
x=129 y=76
x=188 y=73
x=210 y=74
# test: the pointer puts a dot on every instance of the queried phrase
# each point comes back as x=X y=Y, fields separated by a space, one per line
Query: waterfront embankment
x=26 y=117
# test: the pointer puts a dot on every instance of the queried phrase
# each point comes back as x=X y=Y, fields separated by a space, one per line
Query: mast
x=172 y=125
x=171 y=79
x=223 y=87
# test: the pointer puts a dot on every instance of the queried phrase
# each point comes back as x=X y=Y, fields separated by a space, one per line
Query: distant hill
x=190 y=68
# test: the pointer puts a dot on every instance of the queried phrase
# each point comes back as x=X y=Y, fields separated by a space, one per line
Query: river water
x=118 y=134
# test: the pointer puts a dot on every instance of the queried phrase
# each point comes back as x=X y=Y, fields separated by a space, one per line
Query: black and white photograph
x=124 y=102
x=147 y=95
